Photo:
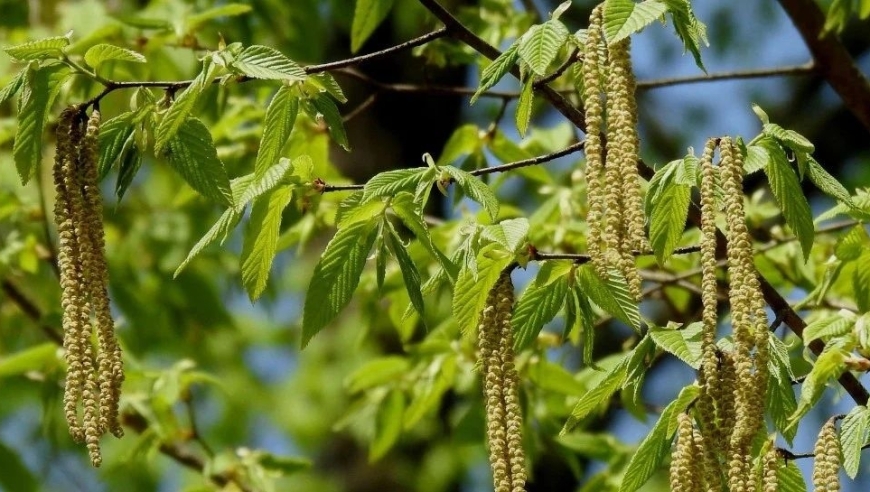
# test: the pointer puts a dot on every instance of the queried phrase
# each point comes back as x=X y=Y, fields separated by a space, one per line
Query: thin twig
x=791 y=70
x=573 y=58
x=418 y=41
x=362 y=107
x=30 y=310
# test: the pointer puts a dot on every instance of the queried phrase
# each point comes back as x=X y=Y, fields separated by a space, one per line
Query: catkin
x=594 y=110
x=504 y=423
x=769 y=465
x=95 y=371
x=684 y=465
x=826 y=468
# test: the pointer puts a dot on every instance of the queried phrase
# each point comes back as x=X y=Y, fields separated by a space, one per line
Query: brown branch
x=831 y=57
x=791 y=70
x=30 y=310
x=413 y=43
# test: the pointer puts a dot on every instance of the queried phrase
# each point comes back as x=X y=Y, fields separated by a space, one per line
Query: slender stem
x=30 y=310
x=573 y=58
x=418 y=41
x=361 y=108
x=791 y=70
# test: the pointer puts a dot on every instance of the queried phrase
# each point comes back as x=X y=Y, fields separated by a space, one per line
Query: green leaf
x=475 y=189
x=36 y=358
x=391 y=183
x=668 y=220
x=610 y=295
x=787 y=190
x=853 y=436
x=328 y=110
x=827 y=183
x=277 y=125
x=524 y=106
x=131 y=161
x=227 y=10
x=510 y=233
x=427 y=393
x=790 y=479
x=553 y=377
x=261 y=239
x=756 y=159
x=39 y=49
x=471 y=291
x=283 y=465
x=265 y=183
x=861 y=282
x=16 y=476
x=181 y=108
x=539 y=45
x=114 y=135
x=100 y=53
x=623 y=18
x=655 y=446
x=497 y=69
x=598 y=395
x=691 y=31
x=263 y=62
x=33 y=106
x=388 y=424
x=540 y=303
x=788 y=138
x=780 y=401
x=828 y=366
x=336 y=276
x=218 y=232
x=829 y=326
x=411 y=215
x=410 y=274
x=325 y=82
x=465 y=140
x=377 y=372
x=14 y=85
x=367 y=16
x=193 y=155
x=684 y=343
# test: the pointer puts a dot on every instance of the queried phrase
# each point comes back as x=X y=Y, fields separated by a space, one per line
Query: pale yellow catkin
x=684 y=471
x=769 y=466
x=826 y=466
x=593 y=148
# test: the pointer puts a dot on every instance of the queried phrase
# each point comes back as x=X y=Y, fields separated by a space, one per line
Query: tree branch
x=30 y=310
x=790 y=70
x=831 y=57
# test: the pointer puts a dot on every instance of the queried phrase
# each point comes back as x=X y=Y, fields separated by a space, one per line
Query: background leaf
x=367 y=16
x=193 y=155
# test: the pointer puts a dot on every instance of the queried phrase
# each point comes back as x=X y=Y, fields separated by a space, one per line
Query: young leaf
x=684 y=343
x=790 y=479
x=336 y=276
x=497 y=69
x=411 y=215
x=829 y=365
x=510 y=233
x=377 y=372
x=393 y=182
x=789 y=138
x=131 y=161
x=263 y=62
x=326 y=83
x=539 y=45
x=540 y=303
x=36 y=358
x=97 y=54
x=367 y=16
x=610 y=295
x=787 y=190
x=692 y=31
x=388 y=424
x=193 y=155
x=410 y=274
x=261 y=239
x=181 y=108
x=470 y=291
x=601 y=393
x=780 y=401
x=668 y=220
x=33 y=105
x=524 y=106
x=218 y=232
x=327 y=109
x=623 y=18
x=853 y=436
x=829 y=326
x=39 y=49
x=227 y=10
x=114 y=135
x=258 y=186
x=827 y=183
x=277 y=125
x=14 y=85
x=861 y=282
x=475 y=189
x=656 y=445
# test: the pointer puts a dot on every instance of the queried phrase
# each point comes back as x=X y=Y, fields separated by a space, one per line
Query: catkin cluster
x=95 y=370
x=827 y=459
x=733 y=383
x=686 y=469
x=504 y=422
x=615 y=216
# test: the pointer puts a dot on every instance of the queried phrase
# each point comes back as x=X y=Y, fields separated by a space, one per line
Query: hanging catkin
x=769 y=465
x=95 y=372
x=501 y=389
x=594 y=110
x=826 y=467
x=685 y=466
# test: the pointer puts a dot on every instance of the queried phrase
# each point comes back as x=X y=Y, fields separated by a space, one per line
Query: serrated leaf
x=788 y=138
x=610 y=294
x=756 y=159
x=524 y=107
x=623 y=18
x=410 y=274
x=828 y=326
x=34 y=103
x=377 y=372
x=263 y=62
x=851 y=245
x=227 y=10
x=683 y=343
x=790 y=479
x=39 y=49
x=510 y=233
x=668 y=220
x=36 y=358
x=470 y=291
x=411 y=214
x=131 y=161
x=329 y=111
x=691 y=31
x=181 y=108
x=539 y=45
x=218 y=232
x=193 y=155
x=497 y=69
x=780 y=401
x=539 y=304
x=853 y=436
x=656 y=445
x=367 y=16
x=828 y=366
x=427 y=393
x=100 y=53
x=326 y=82
x=861 y=282
x=114 y=135
x=277 y=125
x=391 y=183
x=261 y=239
x=601 y=393
x=265 y=183
x=787 y=190
x=13 y=86
x=336 y=276
x=388 y=424
x=827 y=183
x=475 y=189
